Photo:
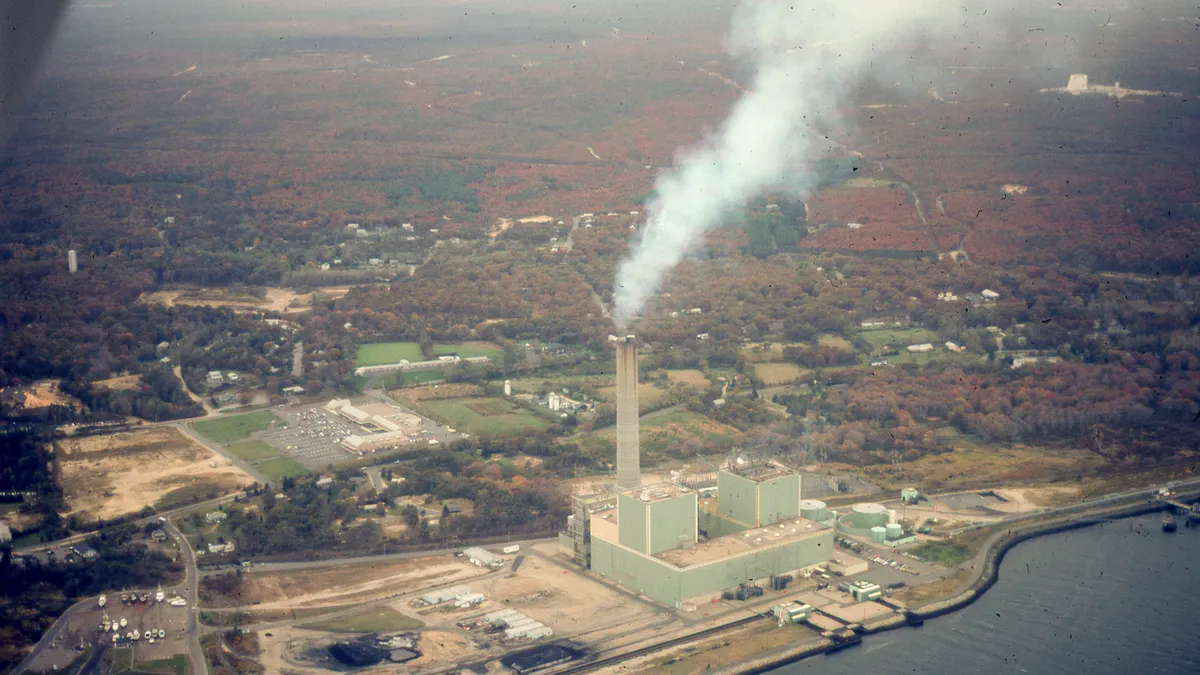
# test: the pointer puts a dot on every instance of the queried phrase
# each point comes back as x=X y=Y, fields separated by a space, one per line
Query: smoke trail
x=808 y=56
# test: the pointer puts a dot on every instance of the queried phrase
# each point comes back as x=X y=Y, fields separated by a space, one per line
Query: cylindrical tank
x=878 y=534
x=894 y=530
x=870 y=515
x=813 y=509
x=891 y=516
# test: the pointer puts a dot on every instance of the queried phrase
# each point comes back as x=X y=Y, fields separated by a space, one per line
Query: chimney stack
x=629 y=470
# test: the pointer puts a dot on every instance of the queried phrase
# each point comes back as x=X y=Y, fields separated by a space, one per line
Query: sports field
x=237 y=427
x=379 y=353
x=486 y=416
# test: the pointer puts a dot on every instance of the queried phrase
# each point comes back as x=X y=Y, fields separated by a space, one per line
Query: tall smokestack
x=629 y=470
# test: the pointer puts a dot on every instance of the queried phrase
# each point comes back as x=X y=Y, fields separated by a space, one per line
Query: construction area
x=113 y=475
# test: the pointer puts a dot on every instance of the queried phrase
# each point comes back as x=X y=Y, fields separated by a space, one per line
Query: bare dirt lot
x=123 y=383
x=277 y=299
x=690 y=377
x=108 y=476
x=354 y=583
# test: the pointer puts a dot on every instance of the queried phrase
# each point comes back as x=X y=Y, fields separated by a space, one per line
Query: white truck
x=511 y=549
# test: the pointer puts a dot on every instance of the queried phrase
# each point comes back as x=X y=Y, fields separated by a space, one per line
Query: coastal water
x=1122 y=597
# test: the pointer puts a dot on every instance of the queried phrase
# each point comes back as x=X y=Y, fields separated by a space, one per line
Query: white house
x=921 y=348
x=989 y=294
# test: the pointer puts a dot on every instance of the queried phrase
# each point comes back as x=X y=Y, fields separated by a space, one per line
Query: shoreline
x=985 y=576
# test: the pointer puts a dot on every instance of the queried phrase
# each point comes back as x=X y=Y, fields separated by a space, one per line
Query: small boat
x=102 y=600
x=1194 y=513
x=124 y=622
x=159 y=595
x=1169 y=524
x=124 y=597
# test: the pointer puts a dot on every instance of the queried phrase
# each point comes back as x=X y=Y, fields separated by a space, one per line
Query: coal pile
x=540 y=657
x=357 y=654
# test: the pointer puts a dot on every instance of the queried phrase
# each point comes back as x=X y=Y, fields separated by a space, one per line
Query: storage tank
x=878 y=533
x=894 y=531
x=813 y=509
x=870 y=515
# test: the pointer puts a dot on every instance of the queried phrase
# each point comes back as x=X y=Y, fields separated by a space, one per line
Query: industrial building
x=657 y=539
x=863 y=591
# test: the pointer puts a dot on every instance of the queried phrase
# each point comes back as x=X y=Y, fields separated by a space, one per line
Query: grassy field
x=691 y=377
x=253 y=451
x=469 y=349
x=947 y=555
x=484 y=415
x=281 y=467
x=228 y=429
x=188 y=494
x=387 y=352
x=778 y=373
x=379 y=620
x=900 y=337
x=176 y=664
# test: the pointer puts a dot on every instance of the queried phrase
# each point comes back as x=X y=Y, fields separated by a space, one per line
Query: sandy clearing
x=123 y=383
x=109 y=476
x=362 y=582
x=1028 y=499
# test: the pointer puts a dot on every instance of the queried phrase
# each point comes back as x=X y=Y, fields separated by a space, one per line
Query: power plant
x=665 y=542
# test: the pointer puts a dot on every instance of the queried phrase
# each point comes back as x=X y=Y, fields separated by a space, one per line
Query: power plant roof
x=760 y=472
x=657 y=491
x=604 y=526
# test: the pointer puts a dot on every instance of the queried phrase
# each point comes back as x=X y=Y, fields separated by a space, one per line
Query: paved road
x=191 y=591
x=182 y=510
x=186 y=430
x=52 y=634
x=1081 y=509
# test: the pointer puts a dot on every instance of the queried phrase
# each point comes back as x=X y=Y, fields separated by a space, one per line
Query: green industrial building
x=659 y=543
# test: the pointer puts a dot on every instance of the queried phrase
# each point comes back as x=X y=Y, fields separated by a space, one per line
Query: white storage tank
x=869 y=515
x=894 y=530
x=814 y=509
x=878 y=533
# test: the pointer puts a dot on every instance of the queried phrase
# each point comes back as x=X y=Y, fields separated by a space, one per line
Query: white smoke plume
x=809 y=56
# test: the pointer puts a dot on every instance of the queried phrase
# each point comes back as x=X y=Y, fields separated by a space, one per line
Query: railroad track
x=667 y=644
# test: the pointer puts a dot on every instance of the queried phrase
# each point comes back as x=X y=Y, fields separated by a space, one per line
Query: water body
x=1114 y=598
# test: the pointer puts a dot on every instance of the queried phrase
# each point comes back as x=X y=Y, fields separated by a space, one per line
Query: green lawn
x=281 y=467
x=122 y=660
x=177 y=665
x=379 y=620
x=948 y=555
x=900 y=337
x=380 y=353
x=486 y=416
x=469 y=349
x=253 y=451
x=228 y=429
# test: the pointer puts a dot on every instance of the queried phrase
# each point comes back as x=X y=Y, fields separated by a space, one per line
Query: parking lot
x=313 y=436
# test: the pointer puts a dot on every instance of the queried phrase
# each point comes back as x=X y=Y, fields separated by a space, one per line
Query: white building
x=5 y=533
x=953 y=347
x=482 y=557
x=921 y=348
x=989 y=294
x=215 y=377
x=387 y=439
x=214 y=517
x=508 y=387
